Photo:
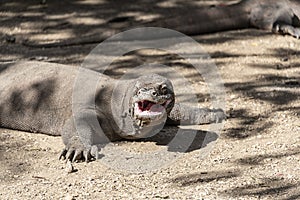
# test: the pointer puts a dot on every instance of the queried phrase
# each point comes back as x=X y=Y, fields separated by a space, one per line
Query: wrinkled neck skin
x=121 y=102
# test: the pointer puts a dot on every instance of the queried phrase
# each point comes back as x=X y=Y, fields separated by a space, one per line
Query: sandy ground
x=256 y=155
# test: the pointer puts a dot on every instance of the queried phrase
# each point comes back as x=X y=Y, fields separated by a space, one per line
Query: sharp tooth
x=132 y=111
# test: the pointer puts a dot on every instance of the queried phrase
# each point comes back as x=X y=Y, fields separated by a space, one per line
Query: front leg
x=74 y=151
x=183 y=114
x=81 y=136
x=286 y=29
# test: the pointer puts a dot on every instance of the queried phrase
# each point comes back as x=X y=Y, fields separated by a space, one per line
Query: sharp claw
x=70 y=154
x=296 y=32
x=87 y=155
x=77 y=155
x=63 y=154
x=73 y=154
x=94 y=152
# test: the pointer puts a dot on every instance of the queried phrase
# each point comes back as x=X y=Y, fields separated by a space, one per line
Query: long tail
x=207 y=20
x=188 y=21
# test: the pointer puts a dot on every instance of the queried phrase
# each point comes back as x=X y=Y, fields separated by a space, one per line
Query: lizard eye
x=141 y=90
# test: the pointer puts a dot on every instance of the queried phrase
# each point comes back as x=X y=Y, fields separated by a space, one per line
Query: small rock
x=69 y=197
x=70 y=168
x=279 y=66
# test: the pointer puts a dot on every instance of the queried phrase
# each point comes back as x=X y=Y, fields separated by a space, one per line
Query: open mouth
x=150 y=106
x=146 y=111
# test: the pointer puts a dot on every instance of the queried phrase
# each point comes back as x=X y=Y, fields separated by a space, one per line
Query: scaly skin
x=57 y=99
x=278 y=16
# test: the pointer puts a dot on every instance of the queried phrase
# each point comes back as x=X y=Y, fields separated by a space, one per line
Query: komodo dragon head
x=151 y=102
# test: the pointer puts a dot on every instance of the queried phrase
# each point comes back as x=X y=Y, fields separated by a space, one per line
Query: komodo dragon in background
x=37 y=97
x=278 y=16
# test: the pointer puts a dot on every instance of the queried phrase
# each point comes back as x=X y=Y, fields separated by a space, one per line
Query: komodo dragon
x=37 y=97
x=278 y=16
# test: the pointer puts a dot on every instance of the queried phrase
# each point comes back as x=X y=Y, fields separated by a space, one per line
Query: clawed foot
x=74 y=154
x=287 y=29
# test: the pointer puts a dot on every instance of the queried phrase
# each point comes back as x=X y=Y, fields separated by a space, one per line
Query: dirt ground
x=256 y=155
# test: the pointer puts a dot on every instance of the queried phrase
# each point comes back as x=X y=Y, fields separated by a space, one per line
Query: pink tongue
x=156 y=108
x=149 y=105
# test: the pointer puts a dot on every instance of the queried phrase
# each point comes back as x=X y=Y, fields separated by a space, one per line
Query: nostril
x=164 y=89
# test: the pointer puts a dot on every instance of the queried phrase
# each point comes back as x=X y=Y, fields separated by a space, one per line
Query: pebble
x=70 y=168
